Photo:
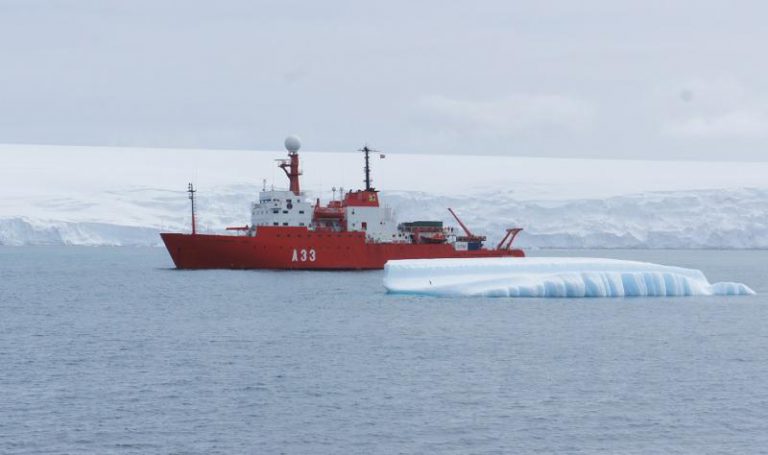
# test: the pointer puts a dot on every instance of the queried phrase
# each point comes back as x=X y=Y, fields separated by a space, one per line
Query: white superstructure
x=281 y=208
x=377 y=222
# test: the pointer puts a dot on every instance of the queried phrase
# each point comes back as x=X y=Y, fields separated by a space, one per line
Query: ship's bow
x=177 y=244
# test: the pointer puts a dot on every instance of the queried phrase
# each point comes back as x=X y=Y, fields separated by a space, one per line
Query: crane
x=469 y=237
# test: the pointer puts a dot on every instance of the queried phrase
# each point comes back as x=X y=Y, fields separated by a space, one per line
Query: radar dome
x=292 y=143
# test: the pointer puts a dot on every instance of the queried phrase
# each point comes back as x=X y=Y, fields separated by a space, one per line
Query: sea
x=107 y=350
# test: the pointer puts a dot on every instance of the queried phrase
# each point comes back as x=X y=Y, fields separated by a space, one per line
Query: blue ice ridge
x=550 y=277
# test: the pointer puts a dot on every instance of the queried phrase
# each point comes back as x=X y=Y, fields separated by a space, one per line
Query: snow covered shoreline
x=22 y=232
x=714 y=219
x=125 y=197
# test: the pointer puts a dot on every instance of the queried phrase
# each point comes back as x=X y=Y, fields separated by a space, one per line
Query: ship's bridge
x=361 y=198
x=363 y=213
x=281 y=208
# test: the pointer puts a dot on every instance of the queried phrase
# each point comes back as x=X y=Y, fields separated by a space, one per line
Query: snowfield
x=126 y=196
x=549 y=277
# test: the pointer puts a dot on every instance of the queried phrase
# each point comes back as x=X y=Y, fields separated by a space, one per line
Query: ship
x=356 y=232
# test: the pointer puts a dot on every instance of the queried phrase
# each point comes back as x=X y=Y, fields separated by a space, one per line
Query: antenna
x=191 y=190
x=367 y=151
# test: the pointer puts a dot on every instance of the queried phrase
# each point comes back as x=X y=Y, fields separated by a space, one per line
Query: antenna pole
x=367 y=167
x=367 y=152
x=191 y=190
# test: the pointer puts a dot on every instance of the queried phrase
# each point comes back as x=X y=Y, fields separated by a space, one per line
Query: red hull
x=297 y=248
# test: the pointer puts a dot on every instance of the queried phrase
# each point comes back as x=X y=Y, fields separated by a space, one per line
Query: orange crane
x=469 y=237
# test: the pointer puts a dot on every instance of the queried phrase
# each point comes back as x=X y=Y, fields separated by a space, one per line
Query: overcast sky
x=641 y=79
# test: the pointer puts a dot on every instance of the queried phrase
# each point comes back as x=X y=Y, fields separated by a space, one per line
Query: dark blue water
x=108 y=350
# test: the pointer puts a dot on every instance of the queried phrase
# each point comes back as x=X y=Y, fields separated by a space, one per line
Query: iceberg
x=549 y=277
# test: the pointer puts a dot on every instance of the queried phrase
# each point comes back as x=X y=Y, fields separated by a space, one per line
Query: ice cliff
x=123 y=196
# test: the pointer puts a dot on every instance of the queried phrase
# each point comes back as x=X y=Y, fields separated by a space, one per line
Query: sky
x=594 y=78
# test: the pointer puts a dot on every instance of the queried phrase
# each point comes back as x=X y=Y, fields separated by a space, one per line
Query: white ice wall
x=119 y=195
x=549 y=277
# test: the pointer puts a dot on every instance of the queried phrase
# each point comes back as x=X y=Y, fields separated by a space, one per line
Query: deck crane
x=469 y=237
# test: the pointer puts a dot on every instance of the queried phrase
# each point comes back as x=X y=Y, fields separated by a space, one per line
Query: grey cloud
x=562 y=78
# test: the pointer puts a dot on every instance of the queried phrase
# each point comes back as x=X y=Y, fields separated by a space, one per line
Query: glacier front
x=125 y=196
x=549 y=277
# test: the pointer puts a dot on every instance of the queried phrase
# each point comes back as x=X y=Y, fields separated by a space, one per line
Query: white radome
x=292 y=143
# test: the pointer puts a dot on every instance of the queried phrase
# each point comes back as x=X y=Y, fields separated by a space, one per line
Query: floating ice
x=549 y=277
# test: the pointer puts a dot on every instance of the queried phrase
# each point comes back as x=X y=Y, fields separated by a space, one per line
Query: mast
x=291 y=166
x=367 y=168
x=191 y=190
x=291 y=169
